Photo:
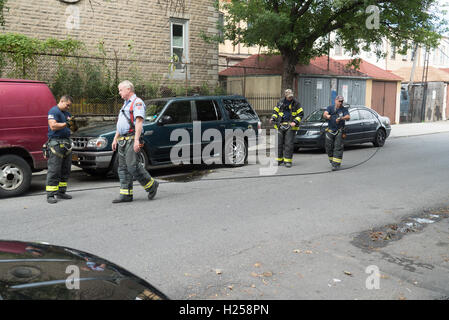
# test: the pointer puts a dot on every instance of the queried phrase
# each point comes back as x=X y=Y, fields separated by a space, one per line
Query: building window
x=220 y=24
x=435 y=56
x=405 y=56
x=337 y=50
x=179 y=43
x=393 y=53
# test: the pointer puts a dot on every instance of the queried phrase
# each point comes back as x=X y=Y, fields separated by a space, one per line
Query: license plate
x=75 y=157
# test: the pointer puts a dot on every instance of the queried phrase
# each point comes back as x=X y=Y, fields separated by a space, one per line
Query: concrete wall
x=140 y=25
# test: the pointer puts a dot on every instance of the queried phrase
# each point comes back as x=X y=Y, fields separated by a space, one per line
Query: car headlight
x=99 y=143
x=312 y=133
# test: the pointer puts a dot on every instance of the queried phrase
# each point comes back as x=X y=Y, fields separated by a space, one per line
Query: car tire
x=96 y=172
x=15 y=176
x=142 y=156
x=379 y=139
x=235 y=153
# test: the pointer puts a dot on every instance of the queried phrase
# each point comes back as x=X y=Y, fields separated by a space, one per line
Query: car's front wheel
x=379 y=139
x=141 y=157
x=15 y=176
x=235 y=152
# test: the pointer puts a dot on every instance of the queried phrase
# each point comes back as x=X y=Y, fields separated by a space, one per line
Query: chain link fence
x=92 y=81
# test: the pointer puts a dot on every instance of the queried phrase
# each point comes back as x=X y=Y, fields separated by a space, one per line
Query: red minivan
x=24 y=106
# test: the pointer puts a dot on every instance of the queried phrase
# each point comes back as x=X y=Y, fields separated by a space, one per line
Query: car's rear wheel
x=15 y=176
x=235 y=152
x=379 y=139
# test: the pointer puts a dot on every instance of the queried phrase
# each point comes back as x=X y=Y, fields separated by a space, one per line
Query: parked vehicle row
x=366 y=125
x=24 y=105
x=92 y=149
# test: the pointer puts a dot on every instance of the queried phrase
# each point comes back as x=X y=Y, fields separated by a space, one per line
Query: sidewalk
x=414 y=129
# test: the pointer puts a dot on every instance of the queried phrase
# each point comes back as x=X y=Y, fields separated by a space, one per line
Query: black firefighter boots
x=153 y=190
x=65 y=196
x=123 y=198
x=51 y=199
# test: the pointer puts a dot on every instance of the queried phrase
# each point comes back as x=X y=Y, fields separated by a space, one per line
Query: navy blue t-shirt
x=336 y=113
x=61 y=117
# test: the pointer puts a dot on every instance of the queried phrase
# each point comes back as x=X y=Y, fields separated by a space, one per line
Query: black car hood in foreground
x=46 y=272
x=97 y=130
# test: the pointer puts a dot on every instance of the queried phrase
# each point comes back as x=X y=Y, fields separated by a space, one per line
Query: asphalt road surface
x=377 y=229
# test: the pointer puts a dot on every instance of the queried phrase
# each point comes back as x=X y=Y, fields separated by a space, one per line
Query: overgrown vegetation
x=91 y=79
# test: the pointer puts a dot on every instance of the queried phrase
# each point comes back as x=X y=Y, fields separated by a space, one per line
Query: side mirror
x=165 y=120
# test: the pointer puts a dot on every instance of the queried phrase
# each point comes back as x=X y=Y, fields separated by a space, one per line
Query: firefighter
x=287 y=115
x=59 y=147
x=336 y=117
x=128 y=141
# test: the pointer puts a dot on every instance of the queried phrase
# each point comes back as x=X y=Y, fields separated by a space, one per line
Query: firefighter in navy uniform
x=287 y=115
x=128 y=141
x=336 y=117
x=59 y=146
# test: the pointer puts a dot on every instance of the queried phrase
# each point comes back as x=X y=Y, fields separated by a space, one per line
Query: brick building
x=150 y=30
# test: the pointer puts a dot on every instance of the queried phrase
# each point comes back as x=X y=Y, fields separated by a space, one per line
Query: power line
x=236 y=178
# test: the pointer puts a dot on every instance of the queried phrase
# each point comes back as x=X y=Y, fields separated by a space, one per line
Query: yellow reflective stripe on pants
x=279 y=159
x=126 y=192
x=63 y=184
x=52 y=188
x=336 y=160
x=288 y=160
x=149 y=184
x=276 y=109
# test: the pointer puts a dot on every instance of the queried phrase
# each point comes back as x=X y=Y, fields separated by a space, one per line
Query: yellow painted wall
x=369 y=93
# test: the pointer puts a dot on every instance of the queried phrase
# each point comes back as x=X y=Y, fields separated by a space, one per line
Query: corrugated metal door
x=383 y=99
x=391 y=89
x=323 y=93
x=353 y=91
x=306 y=95
x=377 y=97
x=447 y=102
x=314 y=93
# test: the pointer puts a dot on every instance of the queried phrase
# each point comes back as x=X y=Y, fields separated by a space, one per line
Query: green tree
x=299 y=30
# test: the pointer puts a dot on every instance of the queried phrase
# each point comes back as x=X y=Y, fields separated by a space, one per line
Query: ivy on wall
x=2 y=8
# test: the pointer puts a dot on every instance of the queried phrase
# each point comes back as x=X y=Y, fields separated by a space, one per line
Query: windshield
x=154 y=109
x=316 y=116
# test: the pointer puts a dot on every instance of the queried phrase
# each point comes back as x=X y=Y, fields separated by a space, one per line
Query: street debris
x=218 y=271
x=380 y=237
x=268 y=274
x=347 y=273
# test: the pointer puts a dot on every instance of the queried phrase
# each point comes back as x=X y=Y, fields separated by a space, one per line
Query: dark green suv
x=179 y=130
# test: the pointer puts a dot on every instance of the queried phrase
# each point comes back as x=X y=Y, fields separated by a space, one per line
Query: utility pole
x=424 y=82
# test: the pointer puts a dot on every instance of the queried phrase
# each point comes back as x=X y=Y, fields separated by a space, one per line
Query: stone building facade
x=150 y=30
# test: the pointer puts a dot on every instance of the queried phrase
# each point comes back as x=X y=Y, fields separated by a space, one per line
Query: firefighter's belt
x=61 y=155
x=126 y=138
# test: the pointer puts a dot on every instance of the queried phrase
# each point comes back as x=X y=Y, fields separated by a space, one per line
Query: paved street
x=229 y=233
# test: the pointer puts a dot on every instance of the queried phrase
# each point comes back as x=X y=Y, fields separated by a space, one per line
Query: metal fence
x=92 y=80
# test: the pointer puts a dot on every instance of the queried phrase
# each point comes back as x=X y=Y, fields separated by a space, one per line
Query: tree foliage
x=299 y=29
